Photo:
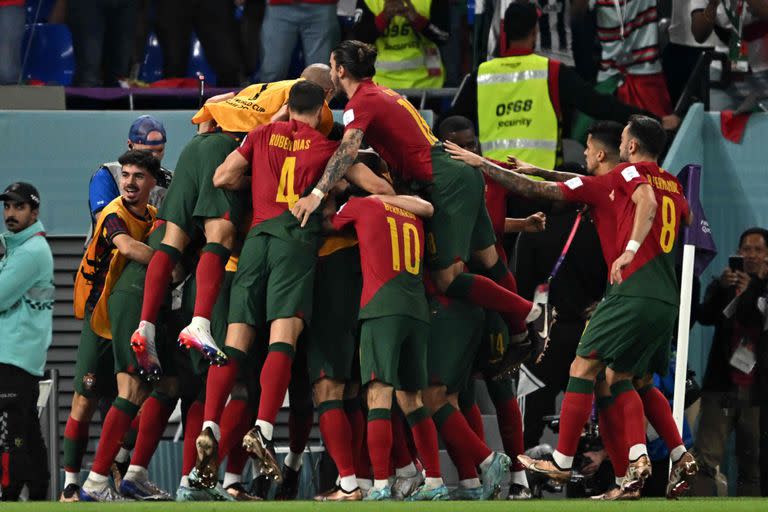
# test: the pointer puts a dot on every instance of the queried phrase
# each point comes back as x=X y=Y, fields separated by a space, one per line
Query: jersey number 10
x=285 y=193
x=410 y=241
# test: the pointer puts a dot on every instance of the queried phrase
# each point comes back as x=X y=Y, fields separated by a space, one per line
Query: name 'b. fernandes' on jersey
x=394 y=128
x=652 y=272
x=391 y=256
x=287 y=158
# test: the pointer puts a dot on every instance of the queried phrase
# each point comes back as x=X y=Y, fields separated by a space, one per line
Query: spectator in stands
x=681 y=53
x=547 y=7
x=11 y=33
x=731 y=396
x=146 y=133
x=102 y=38
x=286 y=22
x=26 y=311
x=631 y=58
x=528 y=120
x=214 y=23
x=407 y=35
x=751 y=47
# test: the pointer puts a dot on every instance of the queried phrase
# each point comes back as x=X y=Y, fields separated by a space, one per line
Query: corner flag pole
x=683 y=334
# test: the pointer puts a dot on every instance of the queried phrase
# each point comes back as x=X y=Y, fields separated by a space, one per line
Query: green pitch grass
x=646 y=505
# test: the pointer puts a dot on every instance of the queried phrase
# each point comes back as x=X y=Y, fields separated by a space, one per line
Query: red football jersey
x=391 y=257
x=287 y=159
x=496 y=202
x=612 y=209
x=394 y=128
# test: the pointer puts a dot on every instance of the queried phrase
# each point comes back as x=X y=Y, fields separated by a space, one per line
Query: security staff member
x=517 y=100
x=406 y=34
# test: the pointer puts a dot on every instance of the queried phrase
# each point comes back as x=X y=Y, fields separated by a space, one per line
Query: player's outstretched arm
x=645 y=212
x=510 y=180
x=535 y=223
x=132 y=248
x=362 y=176
x=230 y=174
x=337 y=166
x=413 y=204
x=531 y=170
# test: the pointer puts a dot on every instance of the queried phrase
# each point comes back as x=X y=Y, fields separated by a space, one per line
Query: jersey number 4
x=411 y=247
x=285 y=193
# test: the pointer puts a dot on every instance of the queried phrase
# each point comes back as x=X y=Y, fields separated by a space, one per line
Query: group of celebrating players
x=354 y=276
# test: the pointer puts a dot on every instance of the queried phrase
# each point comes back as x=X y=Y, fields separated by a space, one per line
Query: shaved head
x=321 y=75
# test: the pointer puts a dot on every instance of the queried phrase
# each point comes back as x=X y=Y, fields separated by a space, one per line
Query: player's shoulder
x=627 y=171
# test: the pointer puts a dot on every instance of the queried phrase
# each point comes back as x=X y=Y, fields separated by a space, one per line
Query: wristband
x=632 y=246
x=317 y=192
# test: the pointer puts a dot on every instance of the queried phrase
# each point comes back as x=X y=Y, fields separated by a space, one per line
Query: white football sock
x=293 y=460
x=348 y=483
x=266 y=429
x=214 y=428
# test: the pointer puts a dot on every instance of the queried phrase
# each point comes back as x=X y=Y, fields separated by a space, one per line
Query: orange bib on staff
x=254 y=106
x=138 y=229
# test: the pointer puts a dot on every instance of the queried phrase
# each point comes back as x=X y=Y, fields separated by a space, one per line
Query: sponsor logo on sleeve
x=630 y=173
x=349 y=116
x=574 y=183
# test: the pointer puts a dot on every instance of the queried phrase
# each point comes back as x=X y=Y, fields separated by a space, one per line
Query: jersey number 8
x=668 y=221
x=410 y=240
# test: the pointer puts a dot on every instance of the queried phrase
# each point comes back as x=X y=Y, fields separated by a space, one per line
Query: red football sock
x=633 y=417
x=219 y=384
x=116 y=424
x=456 y=433
x=510 y=421
x=192 y=427
x=575 y=411
x=425 y=437
x=237 y=459
x=485 y=293
x=659 y=414
x=337 y=433
x=75 y=442
x=136 y=421
x=157 y=280
x=275 y=377
x=463 y=462
x=475 y=420
x=235 y=422
x=379 y=441
x=356 y=421
x=154 y=418
x=299 y=429
x=612 y=434
x=363 y=461
x=401 y=454
x=209 y=275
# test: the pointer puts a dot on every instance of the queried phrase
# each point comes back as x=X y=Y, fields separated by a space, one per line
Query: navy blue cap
x=142 y=127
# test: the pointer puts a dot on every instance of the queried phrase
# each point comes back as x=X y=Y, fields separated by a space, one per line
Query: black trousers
x=214 y=23
x=23 y=456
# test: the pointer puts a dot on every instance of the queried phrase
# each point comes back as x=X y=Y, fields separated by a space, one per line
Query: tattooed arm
x=335 y=169
x=510 y=180
x=526 y=168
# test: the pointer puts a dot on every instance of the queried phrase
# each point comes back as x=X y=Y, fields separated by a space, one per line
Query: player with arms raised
x=637 y=208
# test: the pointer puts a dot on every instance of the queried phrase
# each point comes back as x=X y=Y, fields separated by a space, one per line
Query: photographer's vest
x=406 y=59
x=515 y=114
x=138 y=229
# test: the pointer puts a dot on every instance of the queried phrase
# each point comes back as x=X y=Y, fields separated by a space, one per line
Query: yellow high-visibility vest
x=515 y=114
x=406 y=59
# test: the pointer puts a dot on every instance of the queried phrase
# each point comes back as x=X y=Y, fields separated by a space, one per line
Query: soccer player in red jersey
x=460 y=228
x=637 y=208
x=394 y=331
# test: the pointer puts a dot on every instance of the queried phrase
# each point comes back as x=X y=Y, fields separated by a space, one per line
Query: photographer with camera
x=735 y=305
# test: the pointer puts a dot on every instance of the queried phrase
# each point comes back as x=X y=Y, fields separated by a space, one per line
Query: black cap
x=23 y=193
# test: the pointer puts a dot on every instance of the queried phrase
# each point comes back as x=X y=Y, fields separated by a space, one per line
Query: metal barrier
x=47 y=411
x=424 y=94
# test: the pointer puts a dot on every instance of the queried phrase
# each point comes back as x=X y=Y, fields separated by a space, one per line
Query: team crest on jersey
x=630 y=173
x=89 y=380
x=348 y=117
x=574 y=183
